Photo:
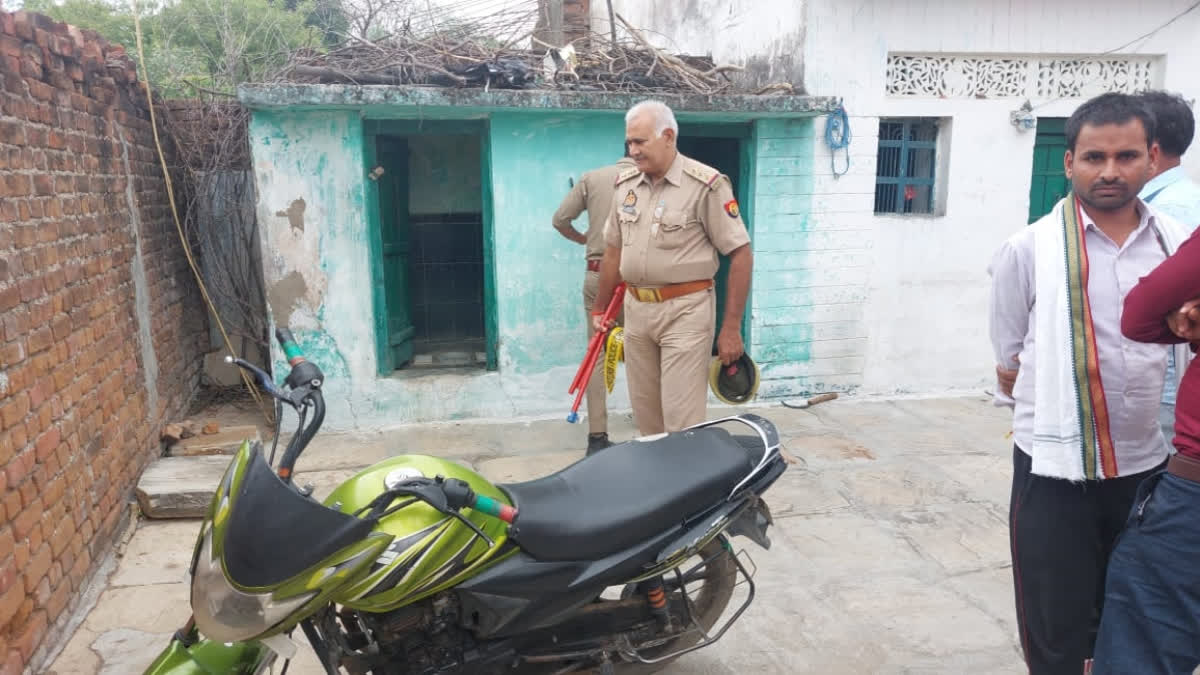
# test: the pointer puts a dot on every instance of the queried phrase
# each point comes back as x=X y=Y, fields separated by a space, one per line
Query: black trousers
x=1062 y=534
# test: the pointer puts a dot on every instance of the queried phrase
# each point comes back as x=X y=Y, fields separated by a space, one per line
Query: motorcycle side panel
x=212 y=658
x=430 y=551
x=511 y=597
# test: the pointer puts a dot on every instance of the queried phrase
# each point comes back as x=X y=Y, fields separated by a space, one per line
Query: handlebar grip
x=495 y=509
x=291 y=350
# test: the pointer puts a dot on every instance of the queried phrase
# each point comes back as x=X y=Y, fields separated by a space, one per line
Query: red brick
x=59 y=598
x=11 y=354
x=12 y=504
x=43 y=185
x=17 y=471
x=61 y=538
x=9 y=297
x=37 y=568
x=25 y=521
x=10 y=601
x=31 y=635
x=28 y=490
x=6 y=453
x=46 y=444
x=23 y=22
x=15 y=410
x=41 y=339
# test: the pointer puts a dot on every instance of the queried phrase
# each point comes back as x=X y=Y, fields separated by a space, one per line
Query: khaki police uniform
x=593 y=192
x=669 y=235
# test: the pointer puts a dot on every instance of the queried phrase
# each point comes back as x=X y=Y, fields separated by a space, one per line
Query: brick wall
x=101 y=325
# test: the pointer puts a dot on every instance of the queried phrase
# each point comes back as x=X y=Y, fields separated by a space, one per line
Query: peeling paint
x=294 y=214
x=285 y=295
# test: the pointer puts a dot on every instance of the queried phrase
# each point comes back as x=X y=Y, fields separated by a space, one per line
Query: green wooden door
x=723 y=153
x=394 y=236
x=1049 y=184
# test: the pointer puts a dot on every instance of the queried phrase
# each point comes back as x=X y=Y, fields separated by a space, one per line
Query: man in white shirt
x=1085 y=398
x=1172 y=192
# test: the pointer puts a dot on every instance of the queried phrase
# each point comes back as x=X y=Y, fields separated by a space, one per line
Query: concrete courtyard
x=890 y=548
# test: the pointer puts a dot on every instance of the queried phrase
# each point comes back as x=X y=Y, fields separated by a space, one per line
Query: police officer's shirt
x=671 y=233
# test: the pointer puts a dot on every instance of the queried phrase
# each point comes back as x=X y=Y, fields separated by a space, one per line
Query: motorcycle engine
x=418 y=639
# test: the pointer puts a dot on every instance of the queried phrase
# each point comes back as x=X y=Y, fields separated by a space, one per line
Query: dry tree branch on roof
x=505 y=50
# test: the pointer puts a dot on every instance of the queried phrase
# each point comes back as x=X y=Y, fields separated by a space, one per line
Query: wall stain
x=294 y=214
x=285 y=294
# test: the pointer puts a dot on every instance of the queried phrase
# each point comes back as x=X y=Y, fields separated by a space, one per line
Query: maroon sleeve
x=1161 y=292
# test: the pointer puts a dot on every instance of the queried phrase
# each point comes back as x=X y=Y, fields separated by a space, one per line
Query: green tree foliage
x=207 y=44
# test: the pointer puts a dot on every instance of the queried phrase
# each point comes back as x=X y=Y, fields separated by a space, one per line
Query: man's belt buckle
x=647 y=294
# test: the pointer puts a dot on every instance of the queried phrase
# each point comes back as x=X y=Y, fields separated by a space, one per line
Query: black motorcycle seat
x=628 y=493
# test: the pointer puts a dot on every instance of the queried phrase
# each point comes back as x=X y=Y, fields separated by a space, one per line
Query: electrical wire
x=1137 y=39
x=187 y=248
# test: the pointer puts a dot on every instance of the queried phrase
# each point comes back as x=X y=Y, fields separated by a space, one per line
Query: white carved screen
x=1031 y=77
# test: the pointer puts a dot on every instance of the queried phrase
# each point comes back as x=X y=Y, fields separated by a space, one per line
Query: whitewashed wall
x=925 y=313
x=763 y=36
x=924 y=316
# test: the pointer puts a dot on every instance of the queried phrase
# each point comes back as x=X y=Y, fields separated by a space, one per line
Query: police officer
x=593 y=192
x=671 y=216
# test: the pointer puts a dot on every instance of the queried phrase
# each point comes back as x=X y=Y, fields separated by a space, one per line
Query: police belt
x=664 y=293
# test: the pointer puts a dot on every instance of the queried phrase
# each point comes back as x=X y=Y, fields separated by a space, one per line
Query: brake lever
x=264 y=380
x=431 y=492
x=467 y=521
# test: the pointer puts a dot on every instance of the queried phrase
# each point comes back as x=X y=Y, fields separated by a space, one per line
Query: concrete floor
x=890 y=548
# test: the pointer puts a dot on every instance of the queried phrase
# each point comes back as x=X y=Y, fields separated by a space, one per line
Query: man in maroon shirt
x=1151 y=620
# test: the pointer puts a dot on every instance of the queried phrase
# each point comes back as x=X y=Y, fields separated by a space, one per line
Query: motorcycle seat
x=628 y=493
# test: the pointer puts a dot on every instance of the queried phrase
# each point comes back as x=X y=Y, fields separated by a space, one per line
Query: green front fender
x=212 y=658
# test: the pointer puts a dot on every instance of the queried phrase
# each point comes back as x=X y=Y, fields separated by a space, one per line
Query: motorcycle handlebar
x=459 y=494
x=303 y=371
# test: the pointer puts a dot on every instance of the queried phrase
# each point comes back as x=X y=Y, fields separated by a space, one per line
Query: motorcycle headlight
x=226 y=614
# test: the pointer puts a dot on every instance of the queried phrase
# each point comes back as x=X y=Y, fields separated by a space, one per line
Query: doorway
x=724 y=148
x=1048 y=182
x=431 y=218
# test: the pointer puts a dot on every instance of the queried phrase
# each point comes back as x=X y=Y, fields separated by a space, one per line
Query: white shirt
x=1132 y=372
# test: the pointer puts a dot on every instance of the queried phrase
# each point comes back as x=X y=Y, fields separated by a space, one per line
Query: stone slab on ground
x=224 y=442
x=180 y=487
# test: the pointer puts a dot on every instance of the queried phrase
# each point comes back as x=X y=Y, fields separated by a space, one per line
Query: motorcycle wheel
x=710 y=592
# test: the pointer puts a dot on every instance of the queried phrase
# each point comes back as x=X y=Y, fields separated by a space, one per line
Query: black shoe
x=597 y=442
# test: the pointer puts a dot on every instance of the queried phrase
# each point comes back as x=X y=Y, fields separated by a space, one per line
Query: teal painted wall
x=314 y=212
x=309 y=173
x=539 y=274
x=788 y=259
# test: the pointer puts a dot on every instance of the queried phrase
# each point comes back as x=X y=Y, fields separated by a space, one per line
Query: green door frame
x=746 y=134
x=372 y=130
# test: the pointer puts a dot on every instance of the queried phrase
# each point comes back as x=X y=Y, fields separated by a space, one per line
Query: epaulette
x=704 y=174
x=626 y=175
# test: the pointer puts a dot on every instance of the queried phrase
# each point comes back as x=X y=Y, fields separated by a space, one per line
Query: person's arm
x=1160 y=295
x=729 y=339
x=1010 y=306
x=610 y=269
x=722 y=220
x=610 y=276
x=572 y=205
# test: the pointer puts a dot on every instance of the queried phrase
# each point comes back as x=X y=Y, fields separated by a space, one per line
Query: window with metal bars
x=905 y=172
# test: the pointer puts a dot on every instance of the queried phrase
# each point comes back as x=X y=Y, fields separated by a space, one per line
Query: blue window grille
x=904 y=174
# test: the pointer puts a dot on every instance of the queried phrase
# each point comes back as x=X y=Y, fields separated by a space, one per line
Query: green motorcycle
x=619 y=563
